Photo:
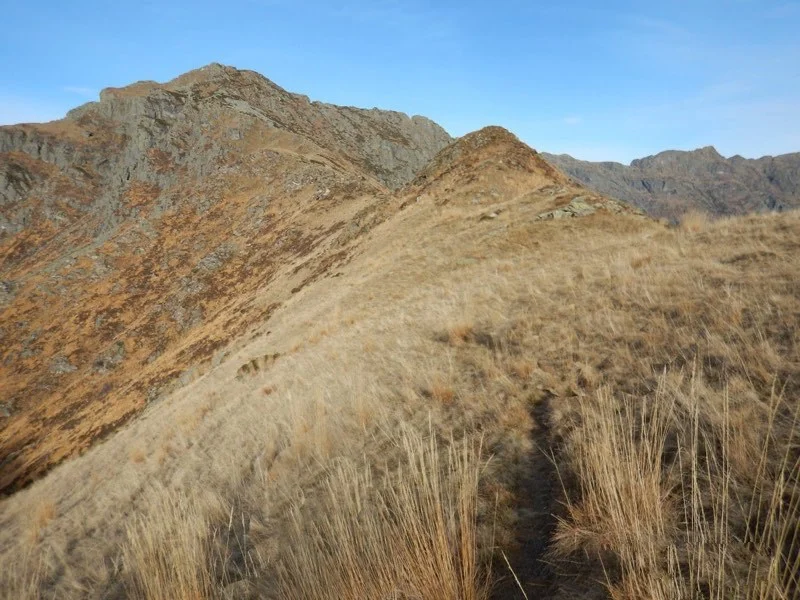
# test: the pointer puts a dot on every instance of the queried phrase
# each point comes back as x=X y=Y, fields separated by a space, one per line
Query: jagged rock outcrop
x=583 y=206
x=153 y=133
x=673 y=182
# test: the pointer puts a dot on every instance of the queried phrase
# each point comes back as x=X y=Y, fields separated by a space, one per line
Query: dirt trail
x=537 y=493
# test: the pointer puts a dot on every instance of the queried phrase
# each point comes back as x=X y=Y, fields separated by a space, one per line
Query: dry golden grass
x=22 y=576
x=661 y=495
x=522 y=367
x=167 y=555
x=694 y=221
x=442 y=392
x=417 y=535
x=459 y=334
x=42 y=514
x=164 y=452
x=658 y=369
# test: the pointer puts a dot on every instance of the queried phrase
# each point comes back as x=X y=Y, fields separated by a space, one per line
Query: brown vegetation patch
x=141 y=193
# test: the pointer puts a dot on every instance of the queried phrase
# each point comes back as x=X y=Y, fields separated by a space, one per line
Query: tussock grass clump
x=168 y=554
x=694 y=221
x=409 y=534
x=23 y=575
x=677 y=498
x=42 y=514
x=442 y=392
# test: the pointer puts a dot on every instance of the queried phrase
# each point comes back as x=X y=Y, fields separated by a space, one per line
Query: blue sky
x=611 y=80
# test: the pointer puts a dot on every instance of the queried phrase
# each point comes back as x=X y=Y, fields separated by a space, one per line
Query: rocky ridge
x=143 y=232
x=674 y=182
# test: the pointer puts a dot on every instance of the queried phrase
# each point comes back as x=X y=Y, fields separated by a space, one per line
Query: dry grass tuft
x=165 y=451
x=167 y=554
x=637 y=262
x=409 y=534
x=523 y=367
x=442 y=392
x=694 y=221
x=660 y=496
x=459 y=334
x=22 y=575
x=43 y=513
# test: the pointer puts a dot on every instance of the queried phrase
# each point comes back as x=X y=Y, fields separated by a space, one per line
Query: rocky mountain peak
x=146 y=230
x=150 y=132
x=686 y=159
x=489 y=150
x=482 y=167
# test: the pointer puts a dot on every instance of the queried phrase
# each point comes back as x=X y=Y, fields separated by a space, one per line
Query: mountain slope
x=673 y=182
x=486 y=330
x=144 y=232
x=490 y=381
x=413 y=243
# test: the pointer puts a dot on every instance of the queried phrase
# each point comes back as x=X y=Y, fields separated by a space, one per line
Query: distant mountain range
x=674 y=182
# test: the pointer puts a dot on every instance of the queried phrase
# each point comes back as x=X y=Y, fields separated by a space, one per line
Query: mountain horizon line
x=710 y=148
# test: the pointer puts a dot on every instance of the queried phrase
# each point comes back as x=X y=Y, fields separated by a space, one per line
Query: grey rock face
x=578 y=207
x=673 y=182
x=60 y=365
x=15 y=182
x=7 y=289
x=392 y=146
x=111 y=358
x=583 y=206
x=151 y=134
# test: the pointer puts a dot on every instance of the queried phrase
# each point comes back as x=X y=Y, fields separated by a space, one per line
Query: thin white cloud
x=656 y=26
x=78 y=90
x=740 y=95
x=573 y=120
x=733 y=116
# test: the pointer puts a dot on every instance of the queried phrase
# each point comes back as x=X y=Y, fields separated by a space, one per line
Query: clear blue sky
x=609 y=80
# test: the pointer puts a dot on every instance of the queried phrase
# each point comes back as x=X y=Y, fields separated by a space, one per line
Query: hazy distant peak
x=670 y=183
x=677 y=156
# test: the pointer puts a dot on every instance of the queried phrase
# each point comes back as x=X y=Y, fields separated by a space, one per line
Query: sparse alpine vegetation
x=585 y=404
